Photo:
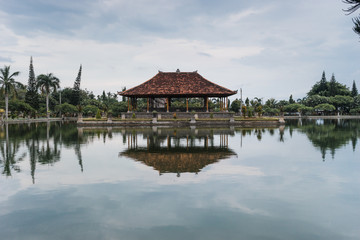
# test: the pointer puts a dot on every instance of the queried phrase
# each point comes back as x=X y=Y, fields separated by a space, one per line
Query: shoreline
x=178 y=122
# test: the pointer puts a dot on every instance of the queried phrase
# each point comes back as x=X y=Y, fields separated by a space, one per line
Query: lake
x=299 y=181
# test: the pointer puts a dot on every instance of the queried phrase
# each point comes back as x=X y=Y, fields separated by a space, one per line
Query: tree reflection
x=9 y=154
x=329 y=135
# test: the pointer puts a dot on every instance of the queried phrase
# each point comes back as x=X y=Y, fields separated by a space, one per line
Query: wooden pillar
x=128 y=104
x=227 y=104
x=207 y=104
x=167 y=104
x=187 y=104
x=148 y=104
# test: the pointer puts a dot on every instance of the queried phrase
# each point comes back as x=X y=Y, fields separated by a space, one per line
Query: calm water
x=301 y=181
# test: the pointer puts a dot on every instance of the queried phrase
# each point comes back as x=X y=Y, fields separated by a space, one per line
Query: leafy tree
x=320 y=88
x=315 y=100
x=332 y=86
x=47 y=82
x=8 y=85
x=118 y=108
x=342 y=103
x=291 y=100
x=32 y=96
x=247 y=102
x=90 y=110
x=66 y=108
x=75 y=100
x=325 y=107
x=235 y=105
x=292 y=108
x=243 y=110
x=271 y=103
x=18 y=106
x=354 y=91
x=355 y=4
x=304 y=110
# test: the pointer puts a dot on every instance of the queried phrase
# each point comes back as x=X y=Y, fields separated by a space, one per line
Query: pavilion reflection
x=178 y=151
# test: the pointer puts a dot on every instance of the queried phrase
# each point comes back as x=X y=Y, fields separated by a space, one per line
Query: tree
x=8 y=85
x=355 y=4
x=46 y=82
x=75 y=100
x=31 y=96
x=332 y=86
x=66 y=108
x=325 y=107
x=320 y=88
x=235 y=105
x=291 y=100
x=354 y=91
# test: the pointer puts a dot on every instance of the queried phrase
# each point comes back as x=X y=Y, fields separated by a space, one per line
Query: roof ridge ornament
x=178 y=70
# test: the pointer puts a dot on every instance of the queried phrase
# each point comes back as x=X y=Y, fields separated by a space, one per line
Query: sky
x=269 y=49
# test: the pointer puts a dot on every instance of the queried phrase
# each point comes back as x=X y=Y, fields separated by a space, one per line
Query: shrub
x=133 y=116
x=98 y=114
x=66 y=108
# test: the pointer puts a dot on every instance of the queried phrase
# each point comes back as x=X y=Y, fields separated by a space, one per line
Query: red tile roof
x=179 y=84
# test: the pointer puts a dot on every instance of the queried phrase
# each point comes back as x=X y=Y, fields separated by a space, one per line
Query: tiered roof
x=178 y=84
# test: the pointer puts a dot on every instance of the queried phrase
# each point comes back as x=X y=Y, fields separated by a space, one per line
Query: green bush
x=66 y=108
x=98 y=114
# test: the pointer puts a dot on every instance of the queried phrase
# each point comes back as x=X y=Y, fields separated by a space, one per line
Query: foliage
x=354 y=90
x=76 y=97
x=32 y=96
x=235 y=105
x=47 y=82
x=243 y=110
x=90 y=110
x=21 y=107
x=342 y=103
x=328 y=89
x=325 y=107
x=66 y=108
x=355 y=4
x=8 y=85
x=292 y=108
x=98 y=114
x=291 y=100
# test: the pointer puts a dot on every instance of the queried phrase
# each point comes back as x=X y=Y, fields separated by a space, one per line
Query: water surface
x=296 y=182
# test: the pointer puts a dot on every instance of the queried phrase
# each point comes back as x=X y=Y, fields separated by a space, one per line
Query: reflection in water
x=178 y=150
x=167 y=150
x=328 y=135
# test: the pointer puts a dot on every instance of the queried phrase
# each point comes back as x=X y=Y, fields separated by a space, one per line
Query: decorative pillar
x=187 y=104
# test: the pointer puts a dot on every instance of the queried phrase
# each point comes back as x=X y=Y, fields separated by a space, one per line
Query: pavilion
x=164 y=86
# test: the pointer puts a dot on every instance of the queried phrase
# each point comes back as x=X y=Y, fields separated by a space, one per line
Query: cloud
x=254 y=45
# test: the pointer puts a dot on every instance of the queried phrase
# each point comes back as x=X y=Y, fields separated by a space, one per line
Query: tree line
x=43 y=97
x=325 y=97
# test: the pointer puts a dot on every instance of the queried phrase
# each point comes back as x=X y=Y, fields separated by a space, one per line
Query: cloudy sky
x=268 y=48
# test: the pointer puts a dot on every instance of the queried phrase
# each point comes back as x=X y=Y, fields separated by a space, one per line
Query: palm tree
x=8 y=85
x=46 y=82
